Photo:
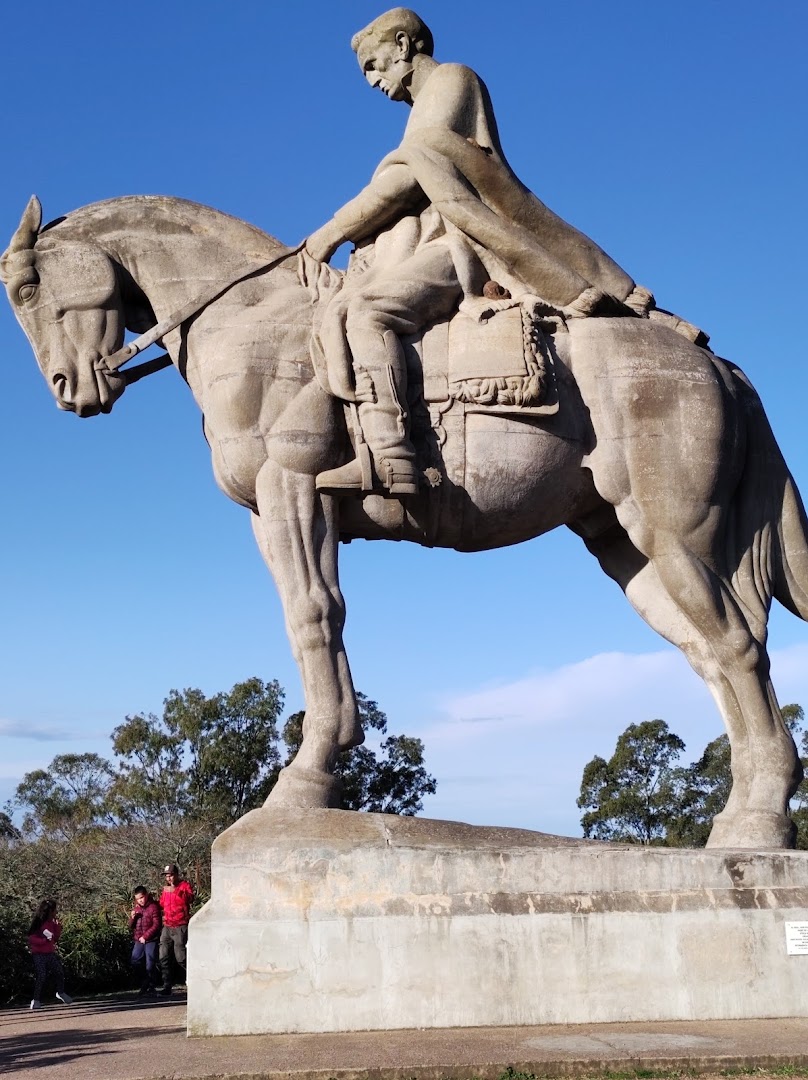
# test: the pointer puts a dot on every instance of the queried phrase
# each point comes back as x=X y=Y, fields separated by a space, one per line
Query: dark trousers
x=47 y=965
x=173 y=940
x=144 y=961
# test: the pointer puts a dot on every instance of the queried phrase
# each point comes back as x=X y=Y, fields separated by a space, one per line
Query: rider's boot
x=383 y=420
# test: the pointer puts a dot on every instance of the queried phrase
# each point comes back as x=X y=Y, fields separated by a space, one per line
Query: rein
x=112 y=363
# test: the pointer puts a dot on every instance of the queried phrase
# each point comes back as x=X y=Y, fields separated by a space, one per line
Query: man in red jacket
x=145 y=922
x=175 y=900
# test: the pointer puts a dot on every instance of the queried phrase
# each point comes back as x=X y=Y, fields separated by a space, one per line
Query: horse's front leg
x=297 y=533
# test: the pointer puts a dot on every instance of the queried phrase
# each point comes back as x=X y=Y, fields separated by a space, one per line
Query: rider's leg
x=392 y=303
x=381 y=388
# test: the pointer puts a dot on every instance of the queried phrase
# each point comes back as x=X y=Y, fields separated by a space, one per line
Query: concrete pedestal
x=336 y=921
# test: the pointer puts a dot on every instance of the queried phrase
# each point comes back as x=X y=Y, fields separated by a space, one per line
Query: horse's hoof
x=305 y=789
x=752 y=830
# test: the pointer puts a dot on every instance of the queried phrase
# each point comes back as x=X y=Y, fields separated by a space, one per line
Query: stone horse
x=660 y=457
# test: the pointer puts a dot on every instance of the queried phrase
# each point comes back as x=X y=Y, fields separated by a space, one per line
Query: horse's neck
x=175 y=270
x=174 y=251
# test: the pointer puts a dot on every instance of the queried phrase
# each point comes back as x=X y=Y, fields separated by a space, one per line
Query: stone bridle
x=112 y=363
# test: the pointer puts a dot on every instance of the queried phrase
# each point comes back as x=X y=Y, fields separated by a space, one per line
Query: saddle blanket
x=493 y=356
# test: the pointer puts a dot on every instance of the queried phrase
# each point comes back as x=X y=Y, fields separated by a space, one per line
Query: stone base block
x=335 y=921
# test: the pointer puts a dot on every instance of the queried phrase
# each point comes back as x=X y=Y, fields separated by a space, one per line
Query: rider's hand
x=322 y=244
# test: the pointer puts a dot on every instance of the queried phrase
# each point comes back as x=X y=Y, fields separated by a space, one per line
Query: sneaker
x=164 y=991
x=65 y=999
x=36 y=1004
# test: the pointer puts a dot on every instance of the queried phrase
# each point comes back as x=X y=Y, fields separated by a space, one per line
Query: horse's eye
x=27 y=292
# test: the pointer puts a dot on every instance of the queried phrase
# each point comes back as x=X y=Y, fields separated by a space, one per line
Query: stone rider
x=442 y=214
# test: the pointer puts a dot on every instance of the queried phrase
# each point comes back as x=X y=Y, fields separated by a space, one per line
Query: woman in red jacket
x=43 y=938
x=145 y=922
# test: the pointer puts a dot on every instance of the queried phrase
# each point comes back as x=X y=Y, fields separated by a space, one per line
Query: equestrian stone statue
x=623 y=426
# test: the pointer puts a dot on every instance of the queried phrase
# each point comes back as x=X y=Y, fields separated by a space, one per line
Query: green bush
x=16 y=970
x=95 y=951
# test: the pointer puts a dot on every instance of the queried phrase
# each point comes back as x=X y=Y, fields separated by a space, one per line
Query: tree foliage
x=703 y=789
x=206 y=759
x=642 y=794
x=794 y=717
x=8 y=830
x=68 y=798
x=627 y=798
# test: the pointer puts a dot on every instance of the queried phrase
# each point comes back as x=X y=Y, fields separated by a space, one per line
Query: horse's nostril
x=61 y=388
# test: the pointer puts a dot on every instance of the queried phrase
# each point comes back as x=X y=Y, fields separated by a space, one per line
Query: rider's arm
x=391 y=193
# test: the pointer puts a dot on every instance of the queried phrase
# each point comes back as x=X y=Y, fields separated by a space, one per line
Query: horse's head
x=66 y=297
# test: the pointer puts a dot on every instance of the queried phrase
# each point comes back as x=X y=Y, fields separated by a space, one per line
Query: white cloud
x=513 y=753
x=550 y=697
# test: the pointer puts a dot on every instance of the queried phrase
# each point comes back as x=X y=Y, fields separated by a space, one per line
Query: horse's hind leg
x=722 y=650
x=637 y=577
x=767 y=762
x=678 y=455
x=297 y=534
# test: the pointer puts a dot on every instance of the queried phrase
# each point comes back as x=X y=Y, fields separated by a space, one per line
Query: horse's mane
x=165 y=214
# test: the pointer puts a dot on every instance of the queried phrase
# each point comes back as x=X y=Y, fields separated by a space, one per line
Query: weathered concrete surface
x=332 y=921
x=119 y=1040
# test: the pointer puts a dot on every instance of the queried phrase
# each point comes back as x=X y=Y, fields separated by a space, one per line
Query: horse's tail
x=768 y=533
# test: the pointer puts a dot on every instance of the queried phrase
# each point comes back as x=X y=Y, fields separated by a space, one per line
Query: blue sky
x=675 y=136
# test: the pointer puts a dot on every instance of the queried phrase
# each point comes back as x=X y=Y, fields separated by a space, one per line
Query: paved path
x=122 y=1039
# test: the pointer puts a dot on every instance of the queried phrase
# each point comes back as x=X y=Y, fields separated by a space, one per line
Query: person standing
x=145 y=922
x=43 y=938
x=175 y=900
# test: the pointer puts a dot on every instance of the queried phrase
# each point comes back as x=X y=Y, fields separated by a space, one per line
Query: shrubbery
x=95 y=951
x=16 y=969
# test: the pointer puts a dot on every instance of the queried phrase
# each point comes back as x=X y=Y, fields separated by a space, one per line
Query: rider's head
x=388 y=49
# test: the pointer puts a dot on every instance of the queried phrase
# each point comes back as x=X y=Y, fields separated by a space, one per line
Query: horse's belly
x=521 y=480
x=503 y=481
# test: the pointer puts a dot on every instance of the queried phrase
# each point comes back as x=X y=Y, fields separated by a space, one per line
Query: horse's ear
x=23 y=239
x=30 y=222
x=28 y=229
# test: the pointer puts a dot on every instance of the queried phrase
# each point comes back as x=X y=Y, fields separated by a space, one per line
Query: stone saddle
x=492 y=355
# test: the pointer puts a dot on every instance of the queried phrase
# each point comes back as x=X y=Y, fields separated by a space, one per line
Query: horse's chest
x=239 y=404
